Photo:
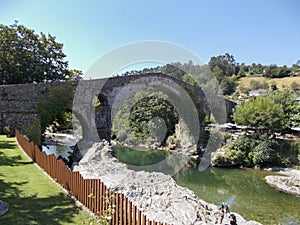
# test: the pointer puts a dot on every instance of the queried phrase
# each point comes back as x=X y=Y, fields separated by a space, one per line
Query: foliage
x=33 y=132
x=250 y=150
x=26 y=57
x=256 y=69
x=222 y=65
x=265 y=153
x=144 y=118
x=57 y=107
x=291 y=108
x=74 y=74
x=228 y=85
x=151 y=113
x=262 y=113
x=173 y=70
x=273 y=71
x=6 y=130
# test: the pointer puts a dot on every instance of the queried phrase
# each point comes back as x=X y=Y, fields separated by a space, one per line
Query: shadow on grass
x=12 y=160
x=7 y=143
x=52 y=210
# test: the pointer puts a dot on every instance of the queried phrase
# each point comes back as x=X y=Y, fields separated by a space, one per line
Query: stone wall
x=17 y=103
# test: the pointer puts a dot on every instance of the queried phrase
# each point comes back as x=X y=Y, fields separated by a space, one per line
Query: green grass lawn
x=31 y=196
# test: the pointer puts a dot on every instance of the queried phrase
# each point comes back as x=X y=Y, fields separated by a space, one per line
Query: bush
x=244 y=143
x=33 y=132
x=6 y=130
x=221 y=160
x=265 y=154
x=238 y=157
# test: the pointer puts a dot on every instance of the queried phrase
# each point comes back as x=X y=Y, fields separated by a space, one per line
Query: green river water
x=244 y=189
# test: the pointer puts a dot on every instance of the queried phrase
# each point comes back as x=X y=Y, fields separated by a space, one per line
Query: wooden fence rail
x=92 y=193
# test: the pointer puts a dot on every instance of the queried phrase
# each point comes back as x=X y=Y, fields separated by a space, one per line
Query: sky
x=253 y=31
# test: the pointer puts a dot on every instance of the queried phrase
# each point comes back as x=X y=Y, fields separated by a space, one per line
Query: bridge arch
x=115 y=90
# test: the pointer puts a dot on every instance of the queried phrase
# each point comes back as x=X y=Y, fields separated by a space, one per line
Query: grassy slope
x=32 y=197
x=281 y=83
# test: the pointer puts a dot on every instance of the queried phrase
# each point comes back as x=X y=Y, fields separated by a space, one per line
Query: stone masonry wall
x=17 y=103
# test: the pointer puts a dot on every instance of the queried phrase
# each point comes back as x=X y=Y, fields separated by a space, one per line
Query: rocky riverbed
x=155 y=193
x=289 y=183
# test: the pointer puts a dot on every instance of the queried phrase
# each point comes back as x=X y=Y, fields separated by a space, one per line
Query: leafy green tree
x=273 y=71
x=255 y=69
x=57 y=108
x=156 y=110
x=33 y=132
x=241 y=73
x=228 y=85
x=74 y=74
x=26 y=57
x=262 y=113
x=173 y=70
x=189 y=79
x=265 y=153
x=226 y=64
x=291 y=107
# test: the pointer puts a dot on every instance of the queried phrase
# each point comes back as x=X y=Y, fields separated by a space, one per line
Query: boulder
x=290 y=185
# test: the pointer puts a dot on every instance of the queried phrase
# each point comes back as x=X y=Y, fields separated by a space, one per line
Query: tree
x=75 y=74
x=265 y=153
x=262 y=113
x=57 y=107
x=291 y=108
x=228 y=85
x=226 y=64
x=153 y=108
x=26 y=57
x=256 y=69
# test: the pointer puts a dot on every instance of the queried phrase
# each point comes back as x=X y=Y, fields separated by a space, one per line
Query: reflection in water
x=245 y=190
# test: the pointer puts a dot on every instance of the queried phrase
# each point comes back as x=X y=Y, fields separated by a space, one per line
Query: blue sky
x=260 y=31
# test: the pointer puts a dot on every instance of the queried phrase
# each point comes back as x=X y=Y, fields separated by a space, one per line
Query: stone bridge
x=17 y=102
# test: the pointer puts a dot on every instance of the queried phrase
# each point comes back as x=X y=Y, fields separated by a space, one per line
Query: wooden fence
x=90 y=192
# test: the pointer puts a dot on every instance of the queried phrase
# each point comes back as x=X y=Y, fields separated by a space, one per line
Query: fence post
x=129 y=212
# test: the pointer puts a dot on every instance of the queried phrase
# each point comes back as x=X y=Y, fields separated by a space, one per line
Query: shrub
x=265 y=154
x=33 y=132
x=6 y=130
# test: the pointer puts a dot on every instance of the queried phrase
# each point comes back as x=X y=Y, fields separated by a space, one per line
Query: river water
x=244 y=189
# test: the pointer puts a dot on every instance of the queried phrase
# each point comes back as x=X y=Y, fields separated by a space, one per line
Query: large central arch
x=112 y=92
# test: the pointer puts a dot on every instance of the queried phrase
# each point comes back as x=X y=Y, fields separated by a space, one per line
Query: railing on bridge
x=92 y=193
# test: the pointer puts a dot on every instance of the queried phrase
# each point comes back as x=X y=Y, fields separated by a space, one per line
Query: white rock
x=157 y=194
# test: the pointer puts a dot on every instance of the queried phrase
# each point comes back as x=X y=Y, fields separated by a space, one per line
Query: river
x=244 y=189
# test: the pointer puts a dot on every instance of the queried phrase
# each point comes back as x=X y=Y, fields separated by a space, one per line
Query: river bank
x=156 y=194
x=244 y=189
x=289 y=183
